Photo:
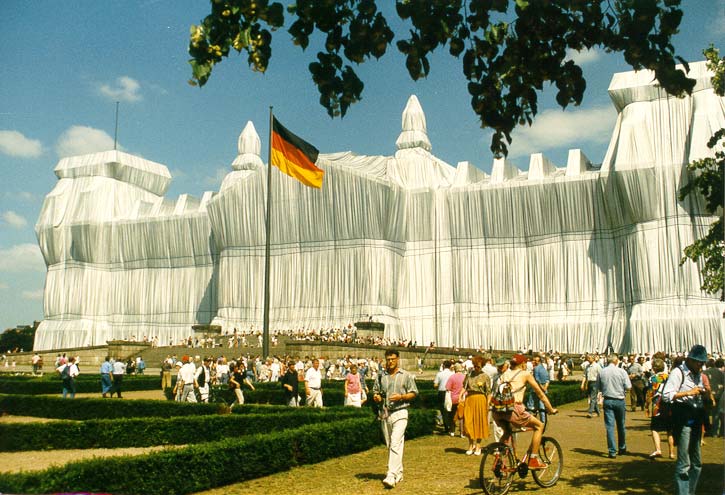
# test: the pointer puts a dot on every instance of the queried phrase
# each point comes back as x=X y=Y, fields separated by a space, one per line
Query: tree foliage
x=509 y=49
x=707 y=177
x=15 y=339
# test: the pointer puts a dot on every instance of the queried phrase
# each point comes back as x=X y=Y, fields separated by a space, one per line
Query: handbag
x=448 y=402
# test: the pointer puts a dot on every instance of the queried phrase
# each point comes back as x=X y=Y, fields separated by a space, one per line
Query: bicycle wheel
x=551 y=454
x=498 y=466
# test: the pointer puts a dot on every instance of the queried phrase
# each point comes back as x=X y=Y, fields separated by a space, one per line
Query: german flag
x=295 y=156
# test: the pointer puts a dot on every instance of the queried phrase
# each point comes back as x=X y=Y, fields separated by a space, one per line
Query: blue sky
x=67 y=63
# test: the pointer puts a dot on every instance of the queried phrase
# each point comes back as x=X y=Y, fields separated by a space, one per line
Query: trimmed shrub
x=145 y=432
x=52 y=384
x=81 y=409
x=247 y=458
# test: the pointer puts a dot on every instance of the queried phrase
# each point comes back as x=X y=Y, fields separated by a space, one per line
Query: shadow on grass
x=370 y=476
x=454 y=450
x=638 y=474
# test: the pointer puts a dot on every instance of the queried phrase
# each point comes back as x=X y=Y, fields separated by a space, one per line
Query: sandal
x=672 y=456
x=477 y=451
x=655 y=454
x=469 y=451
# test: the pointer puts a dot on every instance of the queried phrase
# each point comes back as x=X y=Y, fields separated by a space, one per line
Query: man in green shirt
x=394 y=391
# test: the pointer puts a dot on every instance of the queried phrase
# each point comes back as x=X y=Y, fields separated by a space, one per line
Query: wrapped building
x=571 y=257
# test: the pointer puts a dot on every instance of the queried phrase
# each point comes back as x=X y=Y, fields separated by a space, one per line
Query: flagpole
x=267 y=244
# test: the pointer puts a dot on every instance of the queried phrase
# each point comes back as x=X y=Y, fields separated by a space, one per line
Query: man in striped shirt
x=394 y=391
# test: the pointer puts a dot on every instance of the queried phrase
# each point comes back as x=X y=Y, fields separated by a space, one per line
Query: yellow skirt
x=475 y=418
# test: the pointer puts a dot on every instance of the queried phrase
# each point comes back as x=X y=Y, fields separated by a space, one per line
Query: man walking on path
x=119 y=369
x=636 y=376
x=106 y=372
x=394 y=391
x=166 y=366
x=440 y=384
x=591 y=372
x=313 y=384
x=686 y=392
x=613 y=384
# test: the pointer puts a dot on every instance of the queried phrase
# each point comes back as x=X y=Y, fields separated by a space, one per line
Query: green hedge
x=52 y=384
x=146 y=432
x=82 y=409
x=242 y=459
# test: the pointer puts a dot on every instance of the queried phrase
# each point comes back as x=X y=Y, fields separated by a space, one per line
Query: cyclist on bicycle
x=518 y=376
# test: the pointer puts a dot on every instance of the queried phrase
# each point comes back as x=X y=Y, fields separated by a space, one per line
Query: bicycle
x=499 y=464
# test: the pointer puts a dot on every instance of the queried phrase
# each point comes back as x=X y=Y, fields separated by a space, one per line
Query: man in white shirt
x=468 y=364
x=313 y=384
x=119 y=369
x=440 y=384
x=187 y=375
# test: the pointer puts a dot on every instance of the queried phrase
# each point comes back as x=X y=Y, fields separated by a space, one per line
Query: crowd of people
x=289 y=371
x=681 y=393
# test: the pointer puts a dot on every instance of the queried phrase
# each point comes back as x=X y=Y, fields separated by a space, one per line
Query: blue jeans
x=593 y=391
x=535 y=403
x=614 y=412
x=689 y=464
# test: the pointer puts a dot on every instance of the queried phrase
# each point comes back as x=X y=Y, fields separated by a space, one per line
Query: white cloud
x=80 y=140
x=16 y=196
x=33 y=295
x=558 y=129
x=14 y=220
x=4 y=286
x=14 y=143
x=22 y=258
x=177 y=173
x=583 y=57
x=217 y=178
x=125 y=89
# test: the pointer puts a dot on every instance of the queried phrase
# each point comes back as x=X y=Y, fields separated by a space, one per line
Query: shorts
x=517 y=418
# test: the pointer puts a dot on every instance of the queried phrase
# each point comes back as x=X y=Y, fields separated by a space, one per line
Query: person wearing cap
x=686 y=392
x=519 y=377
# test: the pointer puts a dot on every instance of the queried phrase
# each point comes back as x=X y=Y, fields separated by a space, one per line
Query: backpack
x=502 y=399
x=65 y=372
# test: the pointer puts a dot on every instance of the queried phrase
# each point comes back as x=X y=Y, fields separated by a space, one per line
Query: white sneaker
x=389 y=482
